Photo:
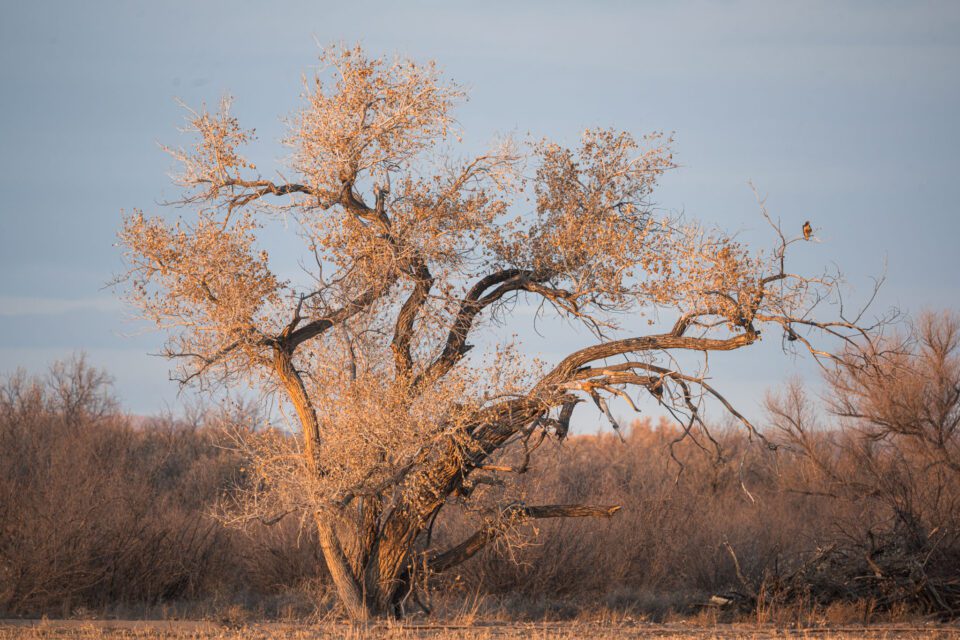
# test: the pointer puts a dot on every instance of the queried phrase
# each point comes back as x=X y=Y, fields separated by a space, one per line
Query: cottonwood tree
x=410 y=250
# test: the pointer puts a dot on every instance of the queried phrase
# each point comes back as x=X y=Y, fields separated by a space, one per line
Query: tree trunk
x=348 y=589
x=374 y=589
x=365 y=569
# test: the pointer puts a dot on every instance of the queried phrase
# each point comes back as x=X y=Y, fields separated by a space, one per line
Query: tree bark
x=339 y=567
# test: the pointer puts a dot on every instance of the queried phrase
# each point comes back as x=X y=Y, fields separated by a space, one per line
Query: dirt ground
x=179 y=629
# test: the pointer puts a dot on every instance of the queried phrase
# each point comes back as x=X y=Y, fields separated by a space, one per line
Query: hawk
x=807 y=230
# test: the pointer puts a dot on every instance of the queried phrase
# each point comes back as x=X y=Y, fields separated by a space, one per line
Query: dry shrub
x=889 y=471
x=100 y=509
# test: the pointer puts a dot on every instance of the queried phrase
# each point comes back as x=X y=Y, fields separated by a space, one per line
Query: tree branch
x=403 y=333
x=469 y=547
x=476 y=300
x=295 y=338
x=568 y=367
x=262 y=188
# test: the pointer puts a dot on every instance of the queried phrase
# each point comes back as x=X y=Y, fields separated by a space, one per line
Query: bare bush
x=97 y=512
x=892 y=461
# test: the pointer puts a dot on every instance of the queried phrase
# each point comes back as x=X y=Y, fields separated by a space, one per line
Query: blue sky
x=841 y=112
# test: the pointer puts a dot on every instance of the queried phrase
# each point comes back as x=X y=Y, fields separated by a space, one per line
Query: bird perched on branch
x=807 y=230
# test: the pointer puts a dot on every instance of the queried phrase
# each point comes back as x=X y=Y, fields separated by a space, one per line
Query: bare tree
x=413 y=251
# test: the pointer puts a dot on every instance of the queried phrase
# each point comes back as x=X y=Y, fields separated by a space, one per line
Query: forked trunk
x=368 y=581
x=376 y=587
x=363 y=585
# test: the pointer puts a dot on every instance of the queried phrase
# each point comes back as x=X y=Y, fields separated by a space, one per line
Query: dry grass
x=176 y=630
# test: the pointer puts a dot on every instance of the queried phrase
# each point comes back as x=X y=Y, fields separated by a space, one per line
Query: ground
x=179 y=629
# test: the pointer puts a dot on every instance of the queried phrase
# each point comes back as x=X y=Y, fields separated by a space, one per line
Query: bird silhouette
x=807 y=230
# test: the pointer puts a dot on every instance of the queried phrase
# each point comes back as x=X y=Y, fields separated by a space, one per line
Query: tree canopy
x=413 y=249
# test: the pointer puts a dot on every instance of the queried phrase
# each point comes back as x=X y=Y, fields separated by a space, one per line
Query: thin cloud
x=18 y=306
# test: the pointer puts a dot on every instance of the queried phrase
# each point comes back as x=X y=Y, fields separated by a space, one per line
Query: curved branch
x=567 y=369
x=403 y=333
x=293 y=339
x=456 y=344
x=506 y=281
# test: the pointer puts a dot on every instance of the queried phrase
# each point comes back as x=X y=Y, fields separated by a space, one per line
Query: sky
x=844 y=113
